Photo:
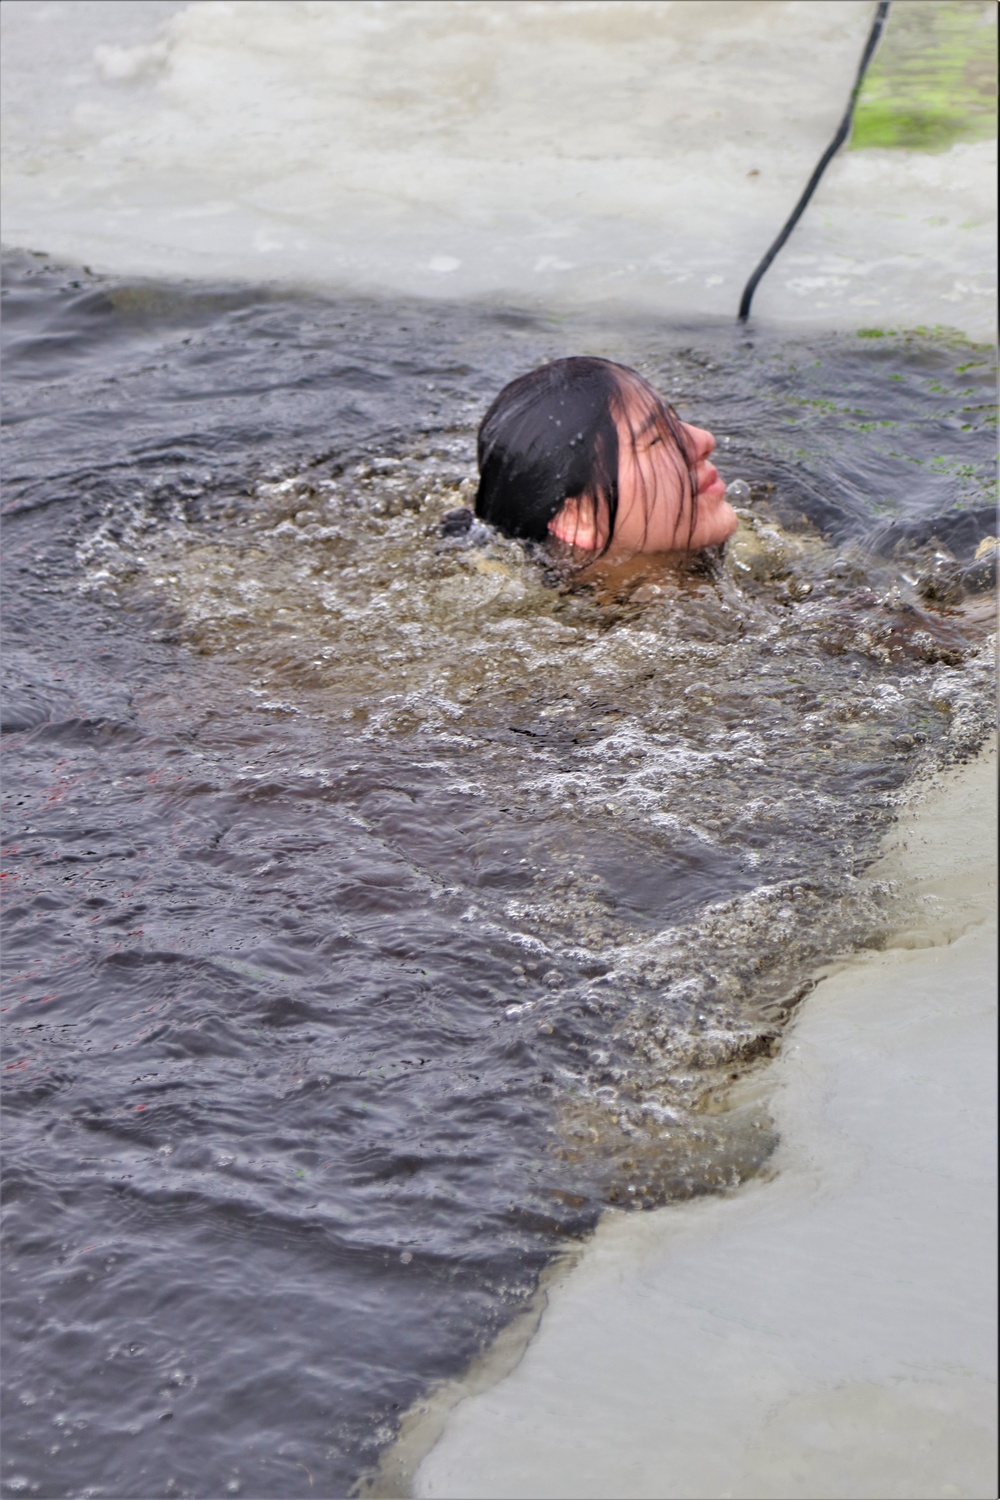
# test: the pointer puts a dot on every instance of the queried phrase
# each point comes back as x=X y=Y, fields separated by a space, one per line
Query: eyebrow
x=652 y=426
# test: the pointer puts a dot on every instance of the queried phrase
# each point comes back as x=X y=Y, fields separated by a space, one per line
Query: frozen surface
x=561 y=154
x=830 y=1332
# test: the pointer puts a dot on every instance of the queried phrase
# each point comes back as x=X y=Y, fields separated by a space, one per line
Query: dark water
x=376 y=910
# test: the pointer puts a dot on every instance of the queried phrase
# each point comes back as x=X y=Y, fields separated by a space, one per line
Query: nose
x=701 y=439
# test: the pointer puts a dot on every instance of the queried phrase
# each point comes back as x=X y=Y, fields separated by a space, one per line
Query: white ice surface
x=825 y=1334
x=560 y=154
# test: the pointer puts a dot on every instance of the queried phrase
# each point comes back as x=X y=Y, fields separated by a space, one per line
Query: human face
x=654 y=490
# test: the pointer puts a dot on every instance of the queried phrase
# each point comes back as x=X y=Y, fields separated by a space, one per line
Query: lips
x=709 y=479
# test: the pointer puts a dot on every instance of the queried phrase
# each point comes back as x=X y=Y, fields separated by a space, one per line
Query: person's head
x=587 y=451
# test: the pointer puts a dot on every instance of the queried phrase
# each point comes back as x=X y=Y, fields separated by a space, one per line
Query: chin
x=720 y=526
x=728 y=520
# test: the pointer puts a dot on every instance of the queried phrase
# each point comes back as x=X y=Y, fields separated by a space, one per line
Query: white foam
x=831 y=1332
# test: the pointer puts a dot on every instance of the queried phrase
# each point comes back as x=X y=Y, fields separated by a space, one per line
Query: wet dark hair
x=552 y=436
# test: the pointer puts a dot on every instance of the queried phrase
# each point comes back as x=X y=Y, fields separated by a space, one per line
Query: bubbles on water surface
x=379 y=893
x=698 y=752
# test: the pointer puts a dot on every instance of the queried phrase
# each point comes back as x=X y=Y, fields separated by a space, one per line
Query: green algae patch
x=933 y=80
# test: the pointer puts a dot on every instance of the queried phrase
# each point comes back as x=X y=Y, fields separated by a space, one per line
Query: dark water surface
x=378 y=911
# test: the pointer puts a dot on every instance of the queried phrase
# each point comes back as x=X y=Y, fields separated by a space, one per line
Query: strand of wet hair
x=843 y=131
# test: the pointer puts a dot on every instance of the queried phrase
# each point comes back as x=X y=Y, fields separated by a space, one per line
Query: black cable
x=824 y=161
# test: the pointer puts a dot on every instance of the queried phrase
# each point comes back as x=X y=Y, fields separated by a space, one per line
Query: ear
x=575 y=524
